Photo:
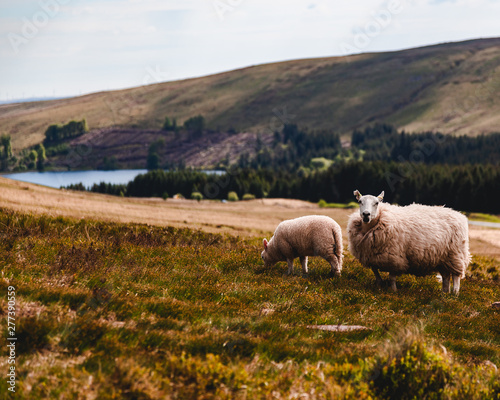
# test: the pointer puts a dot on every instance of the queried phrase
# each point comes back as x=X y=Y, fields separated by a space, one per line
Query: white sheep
x=415 y=239
x=312 y=235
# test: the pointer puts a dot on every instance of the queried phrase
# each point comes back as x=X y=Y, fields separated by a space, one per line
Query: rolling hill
x=452 y=88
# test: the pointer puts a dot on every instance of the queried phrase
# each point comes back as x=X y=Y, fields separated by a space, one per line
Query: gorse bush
x=196 y=196
x=411 y=371
x=232 y=196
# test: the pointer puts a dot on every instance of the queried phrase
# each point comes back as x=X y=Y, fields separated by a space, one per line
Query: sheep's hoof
x=305 y=274
x=334 y=274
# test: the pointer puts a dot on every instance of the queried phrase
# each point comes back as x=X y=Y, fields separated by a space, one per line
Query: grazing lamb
x=312 y=235
x=415 y=239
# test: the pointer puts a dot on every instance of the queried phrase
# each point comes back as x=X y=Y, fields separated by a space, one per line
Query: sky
x=59 y=48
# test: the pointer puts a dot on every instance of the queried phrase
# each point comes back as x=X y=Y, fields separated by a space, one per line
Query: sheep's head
x=368 y=206
x=266 y=256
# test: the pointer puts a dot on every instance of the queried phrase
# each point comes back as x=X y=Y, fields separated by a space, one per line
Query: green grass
x=323 y=204
x=321 y=163
x=484 y=217
x=137 y=312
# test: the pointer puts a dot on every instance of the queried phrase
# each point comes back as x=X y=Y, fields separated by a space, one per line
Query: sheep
x=312 y=235
x=414 y=239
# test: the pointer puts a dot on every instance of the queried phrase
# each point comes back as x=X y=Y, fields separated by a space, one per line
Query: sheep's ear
x=357 y=194
x=381 y=196
x=265 y=244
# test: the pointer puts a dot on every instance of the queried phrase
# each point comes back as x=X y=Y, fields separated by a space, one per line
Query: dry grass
x=256 y=218
x=245 y=218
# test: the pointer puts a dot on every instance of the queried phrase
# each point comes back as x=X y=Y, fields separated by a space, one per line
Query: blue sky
x=72 y=47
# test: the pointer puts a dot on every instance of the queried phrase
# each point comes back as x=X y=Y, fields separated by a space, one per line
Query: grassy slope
x=110 y=310
x=452 y=88
x=129 y=311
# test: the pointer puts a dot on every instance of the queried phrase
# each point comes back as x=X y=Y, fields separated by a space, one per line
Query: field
x=152 y=299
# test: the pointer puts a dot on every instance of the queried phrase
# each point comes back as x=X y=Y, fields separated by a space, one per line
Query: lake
x=88 y=178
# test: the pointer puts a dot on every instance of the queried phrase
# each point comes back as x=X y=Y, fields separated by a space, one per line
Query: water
x=88 y=178
x=486 y=224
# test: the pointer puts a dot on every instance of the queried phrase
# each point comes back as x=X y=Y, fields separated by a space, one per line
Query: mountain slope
x=449 y=87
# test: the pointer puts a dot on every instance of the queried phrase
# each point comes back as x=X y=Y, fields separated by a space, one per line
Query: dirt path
x=256 y=218
x=485 y=241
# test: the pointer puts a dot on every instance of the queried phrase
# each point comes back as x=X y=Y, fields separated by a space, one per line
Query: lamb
x=415 y=239
x=312 y=235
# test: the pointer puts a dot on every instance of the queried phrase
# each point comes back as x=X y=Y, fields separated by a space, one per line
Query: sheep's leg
x=290 y=266
x=456 y=284
x=446 y=282
x=392 y=278
x=378 y=278
x=303 y=262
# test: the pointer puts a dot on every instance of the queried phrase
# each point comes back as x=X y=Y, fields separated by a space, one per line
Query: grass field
x=109 y=309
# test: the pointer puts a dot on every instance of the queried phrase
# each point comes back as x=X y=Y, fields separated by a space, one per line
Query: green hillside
x=450 y=87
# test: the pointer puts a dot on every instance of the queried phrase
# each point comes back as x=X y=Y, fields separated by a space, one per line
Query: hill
x=450 y=87
x=128 y=147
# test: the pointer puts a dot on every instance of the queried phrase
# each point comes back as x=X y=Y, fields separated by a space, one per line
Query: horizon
x=68 y=48
x=49 y=98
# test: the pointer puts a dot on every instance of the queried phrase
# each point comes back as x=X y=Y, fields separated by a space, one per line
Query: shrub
x=248 y=196
x=196 y=196
x=411 y=370
x=232 y=196
x=195 y=124
x=56 y=133
x=169 y=125
x=82 y=334
x=33 y=334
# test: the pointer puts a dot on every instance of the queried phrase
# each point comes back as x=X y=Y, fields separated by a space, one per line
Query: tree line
x=293 y=148
x=430 y=168
x=383 y=142
x=468 y=187
x=35 y=157
x=30 y=158
x=57 y=133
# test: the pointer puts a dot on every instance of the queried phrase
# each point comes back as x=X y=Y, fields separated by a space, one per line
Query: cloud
x=102 y=44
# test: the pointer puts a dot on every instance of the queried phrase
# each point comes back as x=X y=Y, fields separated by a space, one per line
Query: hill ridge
x=448 y=87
